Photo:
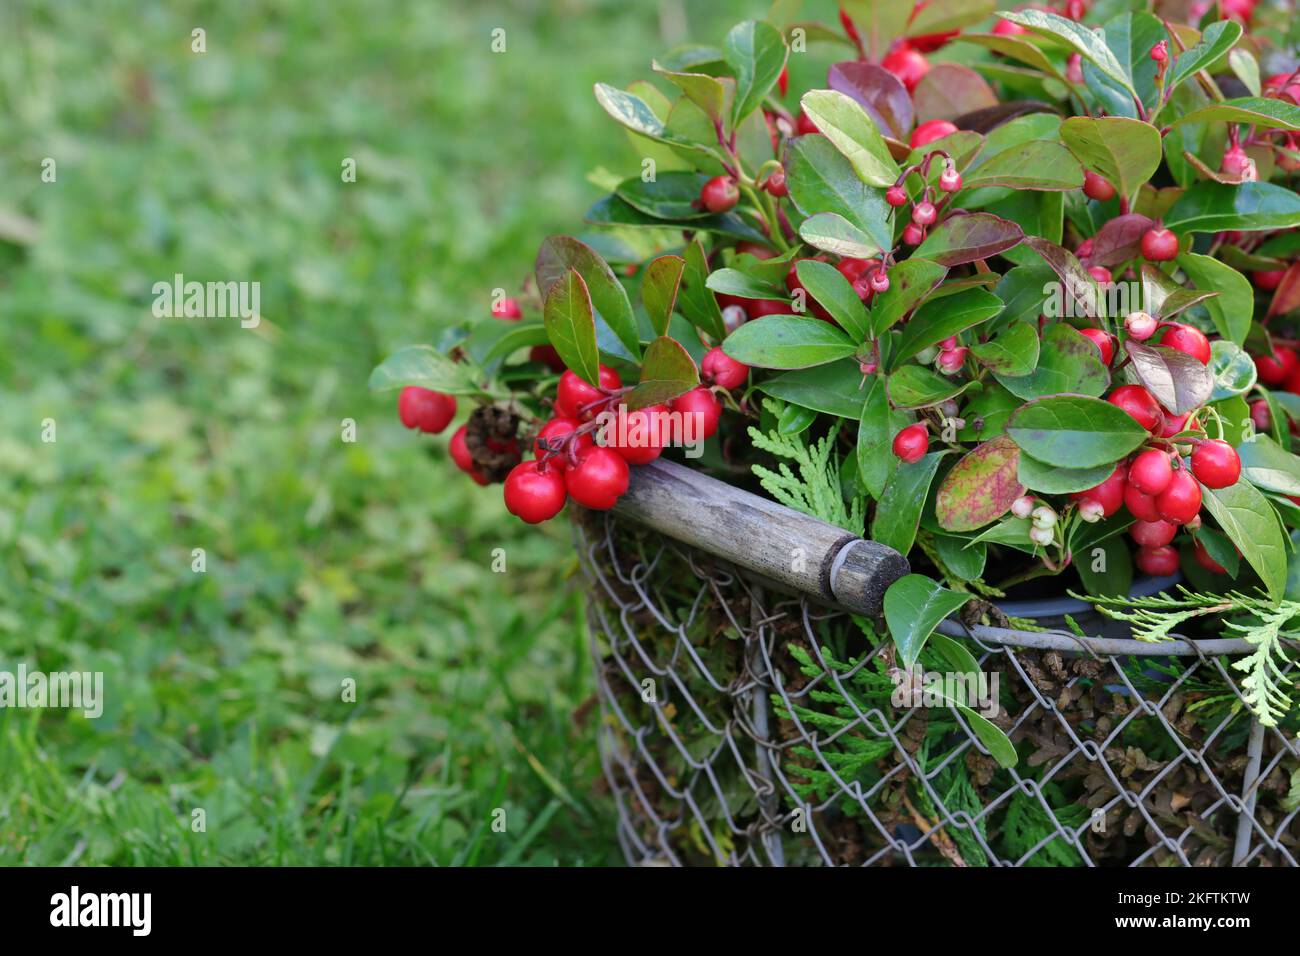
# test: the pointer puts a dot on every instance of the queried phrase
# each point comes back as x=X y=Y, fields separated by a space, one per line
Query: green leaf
x=666 y=372
x=914 y=606
x=755 y=52
x=915 y=386
x=1130 y=37
x=834 y=389
x=659 y=285
x=876 y=431
x=1073 y=431
x=1125 y=151
x=941 y=318
x=1178 y=381
x=967 y=563
x=670 y=195
x=1255 y=110
x=1233 y=308
x=1013 y=352
x=1037 y=164
x=1054 y=480
x=941 y=16
x=709 y=93
x=635 y=114
x=1247 y=207
x=1250 y=522
x=787 y=341
x=962 y=239
x=1216 y=41
x=831 y=232
x=898 y=514
x=423 y=366
x=743 y=285
x=1231 y=369
x=821 y=180
x=846 y=124
x=981 y=487
x=829 y=287
x=1078 y=37
x=694 y=299
x=1015 y=48
x=961 y=661
x=1067 y=362
x=571 y=326
x=1115 y=576
x=1266 y=465
x=612 y=211
x=910 y=281
x=605 y=293
x=1246 y=68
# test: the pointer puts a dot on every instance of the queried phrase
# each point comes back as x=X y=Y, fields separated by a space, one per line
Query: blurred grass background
x=325 y=560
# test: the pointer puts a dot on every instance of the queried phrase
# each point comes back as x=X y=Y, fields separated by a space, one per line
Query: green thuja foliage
x=1026 y=825
x=815 y=489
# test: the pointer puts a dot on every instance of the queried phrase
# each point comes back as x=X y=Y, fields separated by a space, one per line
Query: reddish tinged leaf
x=879 y=92
x=981 y=487
x=1119 y=240
x=950 y=90
x=1178 y=381
x=1075 y=279
x=1287 y=296
x=962 y=239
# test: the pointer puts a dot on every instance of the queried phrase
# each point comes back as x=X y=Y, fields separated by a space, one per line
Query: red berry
x=574 y=398
x=1151 y=472
x=1157 y=562
x=911 y=443
x=1141 y=506
x=1276 y=368
x=896 y=196
x=547 y=355
x=1138 y=403
x=1159 y=245
x=1187 y=339
x=1268 y=279
x=913 y=235
x=598 y=479
x=1005 y=28
x=907 y=64
x=879 y=281
x=1140 y=326
x=1180 y=502
x=950 y=180
x=923 y=213
x=534 y=492
x=757 y=308
x=950 y=361
x=1160 y=52
x=1101 y=274
x=459 y=450
x=1292 y=383
x=639 y=436
x=1105 y=344
x=425 y=409
x=1174 y=424
x=719 y=368
x=701 y=402
x=555 y=429
x=1152 y=534
x=783 y=81
x=1203 y=558
x=1237 y=164
x=1261 y=415
x=1216 y=464
x=507 y=309
x=776 y=184
x=719 y=194
x=804 y=126
x=1109 y=494
x=1084 y=249
x=929 y=131
x=1097 y=187
x=852 y=268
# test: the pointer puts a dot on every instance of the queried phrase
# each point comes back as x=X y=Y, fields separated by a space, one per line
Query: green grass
x=327 y=561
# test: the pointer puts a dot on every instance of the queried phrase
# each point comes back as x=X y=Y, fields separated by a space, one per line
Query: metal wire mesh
x=744 y=727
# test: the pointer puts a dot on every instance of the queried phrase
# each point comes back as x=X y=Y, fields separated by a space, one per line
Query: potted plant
x=1006 y=292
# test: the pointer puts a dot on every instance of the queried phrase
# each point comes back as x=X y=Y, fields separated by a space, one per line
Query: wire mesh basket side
x=744 y=727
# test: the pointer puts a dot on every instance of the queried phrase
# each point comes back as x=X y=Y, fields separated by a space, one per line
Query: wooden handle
x=794 y=549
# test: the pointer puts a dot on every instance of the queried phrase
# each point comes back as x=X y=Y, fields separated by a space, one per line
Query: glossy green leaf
x=898 y=513
x=1012 y=352
x=828 y=286
x=942 y=318
x=787 y=342
x=422 y=366
x=670 y=195
x=666 y=372
x=910 y=281
x=980 y=487
x=743 y=285
x=1215 y=207
x=821 y=180
x=694 y=298
x=844 y=122
x=1251 y=523
x=1215 y=42
x=1067 y=362
x=571 y=326
x=1125 y=151
x=1266 y=465
x=1076 y=36
x=876 y=430
x=831 y=232
x=635 y=114
x=1112 y=574
x=1038 y=164
x=709 y=93
x=1255 y=110
x=915 y=386
x=914 y=606
x=659 y=285
x=834 y=389
x=755 y=51
x=1055 y=480
x=613 y=211
x=1073 y=431
x=1231 y=369
x=967 y=563
x=605 y=293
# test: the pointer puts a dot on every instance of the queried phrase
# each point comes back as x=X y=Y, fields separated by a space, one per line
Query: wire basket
x=747 y=724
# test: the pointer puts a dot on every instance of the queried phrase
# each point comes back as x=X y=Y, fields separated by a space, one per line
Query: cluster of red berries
x=924 y=211
x=1157 y=244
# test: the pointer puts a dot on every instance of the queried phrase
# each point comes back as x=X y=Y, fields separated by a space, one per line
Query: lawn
x=327 y=561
